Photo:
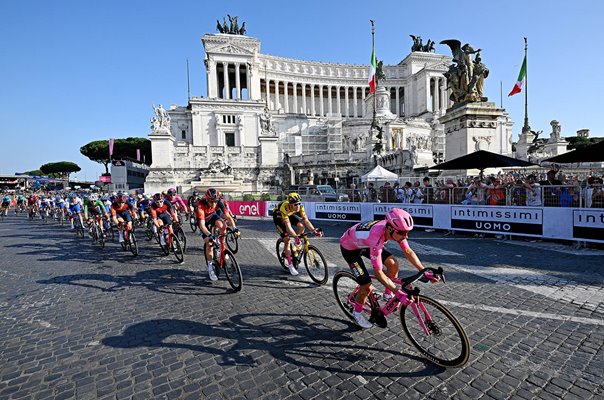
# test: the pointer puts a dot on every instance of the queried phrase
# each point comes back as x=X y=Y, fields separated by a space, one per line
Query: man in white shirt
x=533 y=191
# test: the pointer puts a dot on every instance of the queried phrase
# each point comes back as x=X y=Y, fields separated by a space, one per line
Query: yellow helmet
x=294 y=198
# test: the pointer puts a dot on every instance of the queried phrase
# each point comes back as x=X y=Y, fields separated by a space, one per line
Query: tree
x=36 y=172
x=98 y=151
x=61 y=168
x=579 y=142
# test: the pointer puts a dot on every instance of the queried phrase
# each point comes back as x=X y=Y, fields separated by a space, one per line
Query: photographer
x=533 y=191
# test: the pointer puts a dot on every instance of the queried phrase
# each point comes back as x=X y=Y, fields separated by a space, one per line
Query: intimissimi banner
x=507 y=220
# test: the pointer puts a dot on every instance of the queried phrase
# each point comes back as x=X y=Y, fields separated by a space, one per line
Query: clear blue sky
x=76 y=71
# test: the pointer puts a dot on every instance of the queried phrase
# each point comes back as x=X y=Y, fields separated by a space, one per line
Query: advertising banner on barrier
x=588 y=224
x=248 y=208
x=507 y=220
x=338 y=211
x=270 y=206
x=422 y=214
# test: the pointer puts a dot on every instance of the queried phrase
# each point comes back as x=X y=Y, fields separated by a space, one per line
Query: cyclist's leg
x=357 y=267
x=392 y=266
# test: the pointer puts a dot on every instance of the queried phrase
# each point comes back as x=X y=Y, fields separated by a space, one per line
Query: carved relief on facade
x=482 y=142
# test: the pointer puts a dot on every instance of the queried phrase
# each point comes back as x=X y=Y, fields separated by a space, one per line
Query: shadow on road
x=302 y=340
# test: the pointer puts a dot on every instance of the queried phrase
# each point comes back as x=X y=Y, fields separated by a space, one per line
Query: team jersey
x=176 y=200
x=282 y=210
x=369 y=235
x=89 y=205
x=205 y=209
x=6 y=199
x=121 y=208
x=157 y=210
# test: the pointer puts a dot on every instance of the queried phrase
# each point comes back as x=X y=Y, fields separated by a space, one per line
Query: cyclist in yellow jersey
x=286 y=215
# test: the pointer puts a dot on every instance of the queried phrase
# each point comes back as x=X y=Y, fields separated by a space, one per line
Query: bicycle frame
x=393 y=304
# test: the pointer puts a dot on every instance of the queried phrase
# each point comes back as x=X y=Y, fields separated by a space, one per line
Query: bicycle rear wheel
x=177 y=249
x=315 y=265
x=446 y=344
x=232 y=271
x=231 y=240
x=345 y=288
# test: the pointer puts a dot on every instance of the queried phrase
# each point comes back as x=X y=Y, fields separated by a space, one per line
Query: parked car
x=317 y=193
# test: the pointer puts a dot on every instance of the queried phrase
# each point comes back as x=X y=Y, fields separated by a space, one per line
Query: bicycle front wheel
x=345 y=288
x=193 y=223
x=177 y=249
x=280 y=248
x=180 y=233
x=315 y=265
x=446 y=343
x=231 y=241
x=132 y=244
x=232 y=271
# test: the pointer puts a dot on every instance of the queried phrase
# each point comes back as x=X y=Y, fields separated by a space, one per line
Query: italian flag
x=521 y=79
x=372 y=68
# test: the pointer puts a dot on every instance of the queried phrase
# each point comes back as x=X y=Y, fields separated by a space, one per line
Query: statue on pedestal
x=556 y=131
x=465 y=77
x=161 y=122
x=267 y=128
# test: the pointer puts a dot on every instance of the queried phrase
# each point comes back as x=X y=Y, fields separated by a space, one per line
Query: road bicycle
x=20 y=209
x=3 y=213
x=77 y=225
x=232 y=239
x=171 y=242
x=313 y=259
x=224 y=259
x=180 y=234
x=96 y=231
x=430 y=327
x=129 y=242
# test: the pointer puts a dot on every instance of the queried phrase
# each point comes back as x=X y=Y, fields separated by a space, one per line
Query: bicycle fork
x=428 y=326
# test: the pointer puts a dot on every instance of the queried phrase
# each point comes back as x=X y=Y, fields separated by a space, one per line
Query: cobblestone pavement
x=80 y=322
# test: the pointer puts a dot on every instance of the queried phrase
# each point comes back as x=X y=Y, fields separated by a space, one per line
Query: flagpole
x=188 y=84
x=373 y=120
x=526 y=127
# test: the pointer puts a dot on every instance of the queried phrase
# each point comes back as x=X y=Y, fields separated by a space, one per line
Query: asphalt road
x=80 y=322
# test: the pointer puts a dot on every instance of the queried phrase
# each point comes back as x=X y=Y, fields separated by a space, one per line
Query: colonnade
x=228 y=74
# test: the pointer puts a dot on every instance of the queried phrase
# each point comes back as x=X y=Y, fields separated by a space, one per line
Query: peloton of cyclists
x=287 y=215
x=367 y=239
x=74 y=207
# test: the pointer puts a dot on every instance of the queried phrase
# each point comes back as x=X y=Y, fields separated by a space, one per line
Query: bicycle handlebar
x=421 y=276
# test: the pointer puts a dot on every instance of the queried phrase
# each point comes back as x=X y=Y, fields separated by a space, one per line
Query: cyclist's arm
x=411 y=256
x=201 y=218
x=289 y=228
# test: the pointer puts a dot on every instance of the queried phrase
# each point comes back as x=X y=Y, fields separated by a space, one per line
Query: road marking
x=269 y=244
x=553 y=287
x=500 y=310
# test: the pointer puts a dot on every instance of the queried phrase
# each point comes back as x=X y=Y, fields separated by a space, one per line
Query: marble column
x=225 y=75
x=437 y=95
x=268 y=93
x=347 y=107
x=355 y=101
x=277 y=100
x=312 y=100
x=304 y=110
x=321 y=105
x=329 y=99
x=398 y=101
x=286 y=96
x=338 y=100
x=237 y=82
x=296 y=111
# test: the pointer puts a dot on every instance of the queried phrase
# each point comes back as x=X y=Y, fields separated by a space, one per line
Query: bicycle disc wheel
x=231 y=240
x=345 y=287
x=232 y=271
x=177 y=249
x=280 y=248
x=315 y=265
x=447 y=344
x=132 y=244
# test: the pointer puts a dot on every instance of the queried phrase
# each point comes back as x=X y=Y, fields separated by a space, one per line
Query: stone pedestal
x=555 y=148
x=162 y=148
x=269 y=152
x=471 y=127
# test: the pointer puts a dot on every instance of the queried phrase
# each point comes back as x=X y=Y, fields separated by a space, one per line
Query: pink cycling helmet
x=399 y=220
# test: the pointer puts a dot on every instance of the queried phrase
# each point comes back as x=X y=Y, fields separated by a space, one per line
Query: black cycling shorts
x=356 y=264
x=294 y=220
x=210 y=222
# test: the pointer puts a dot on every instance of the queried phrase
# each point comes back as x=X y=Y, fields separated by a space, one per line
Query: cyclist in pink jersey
x=176 y=200
x=367 y=239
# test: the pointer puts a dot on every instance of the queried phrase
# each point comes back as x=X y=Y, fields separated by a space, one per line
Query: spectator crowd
x=551 y=189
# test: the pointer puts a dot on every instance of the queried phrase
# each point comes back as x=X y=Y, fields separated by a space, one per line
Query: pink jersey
x=177 y=201
x=369 y=235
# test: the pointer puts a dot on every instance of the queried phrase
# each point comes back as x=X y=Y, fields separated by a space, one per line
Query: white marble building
x=270 y=121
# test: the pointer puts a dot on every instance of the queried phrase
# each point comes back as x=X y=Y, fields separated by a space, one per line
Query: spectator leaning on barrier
x=597 y=196
x=496 y=193
x=533 y=191
x=551 y=195
x=386 y=193
x=428 y=191
x=477 y=191
x=418 y=195
x=370 y=193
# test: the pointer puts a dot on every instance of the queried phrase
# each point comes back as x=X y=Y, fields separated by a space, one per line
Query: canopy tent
x=593 y=153
x=480 y=160
x=379 y=174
